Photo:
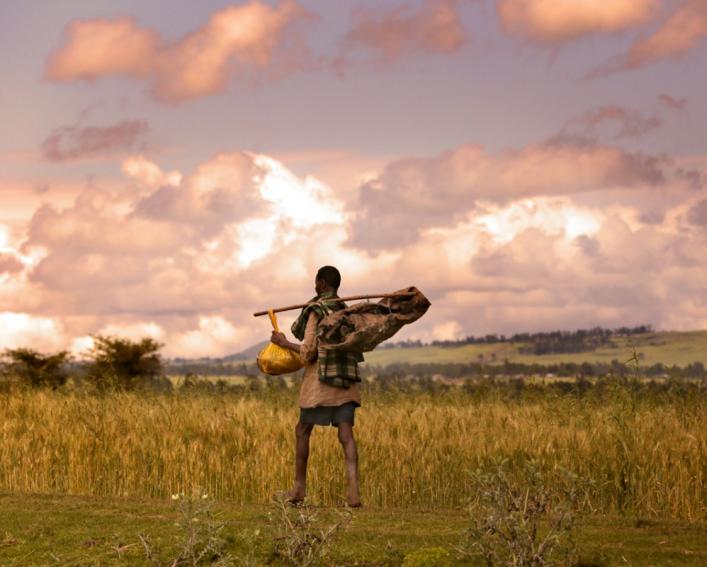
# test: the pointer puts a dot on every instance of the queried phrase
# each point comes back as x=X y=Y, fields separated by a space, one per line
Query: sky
x=167 y=168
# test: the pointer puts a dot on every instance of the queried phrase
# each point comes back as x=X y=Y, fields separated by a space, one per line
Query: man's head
x=328 y=279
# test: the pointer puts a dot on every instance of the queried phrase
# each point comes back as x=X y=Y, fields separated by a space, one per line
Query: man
x=330 y=393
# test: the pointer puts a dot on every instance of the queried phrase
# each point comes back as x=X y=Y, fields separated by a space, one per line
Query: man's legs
x=302 y=433
x=348 y=444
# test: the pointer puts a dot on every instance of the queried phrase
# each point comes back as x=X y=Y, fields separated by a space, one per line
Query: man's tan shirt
x=315 y=393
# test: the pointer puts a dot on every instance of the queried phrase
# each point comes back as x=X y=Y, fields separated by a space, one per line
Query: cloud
x=697 y=214
x=626 y=123
x=223 y=190
x=99 y=48
x=414 y=194
x=447 y=331
x=682 y=32
x=559 y=21
x=84 y=228
x=214 y=335
x=243 y=188
x=615 y=271
x=148 y=173
x=134 y=331
x=392 y=34
x=9 y=264
x=551 y=235
x=69 y=143
x=345 y=170
x=19 y=330
x=189 y=258
x=235 y=39
x=673 y=102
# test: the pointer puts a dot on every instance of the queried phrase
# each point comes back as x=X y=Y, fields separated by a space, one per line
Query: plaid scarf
x=336 y=367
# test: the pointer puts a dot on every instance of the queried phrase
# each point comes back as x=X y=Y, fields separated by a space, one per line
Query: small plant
x=36 y=369
x=200 y=540
x=302 y=536
x=519 y=523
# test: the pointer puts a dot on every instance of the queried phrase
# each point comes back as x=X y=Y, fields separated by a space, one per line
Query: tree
x=36 y=369
x=122 y=363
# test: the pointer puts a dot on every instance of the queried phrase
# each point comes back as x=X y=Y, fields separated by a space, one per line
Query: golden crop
x=415 y=449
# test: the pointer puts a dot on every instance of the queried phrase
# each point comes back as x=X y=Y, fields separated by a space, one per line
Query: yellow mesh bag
x=274 y=359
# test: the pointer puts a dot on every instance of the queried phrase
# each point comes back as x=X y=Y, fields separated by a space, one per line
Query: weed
x=303 y=535
x=200 y=538
x=520 y=520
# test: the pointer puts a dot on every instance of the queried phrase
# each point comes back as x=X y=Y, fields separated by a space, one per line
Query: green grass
x=680 y=348
x=70 y=530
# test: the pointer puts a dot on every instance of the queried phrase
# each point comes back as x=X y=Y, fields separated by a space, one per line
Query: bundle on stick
x=356 y=329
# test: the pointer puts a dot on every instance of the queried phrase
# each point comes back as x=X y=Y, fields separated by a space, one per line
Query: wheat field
x=631 y=455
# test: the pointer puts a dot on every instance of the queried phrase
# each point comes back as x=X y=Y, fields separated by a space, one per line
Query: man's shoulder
x=314 y=314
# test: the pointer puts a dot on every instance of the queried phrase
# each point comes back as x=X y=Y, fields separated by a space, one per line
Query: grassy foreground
x=70 y=530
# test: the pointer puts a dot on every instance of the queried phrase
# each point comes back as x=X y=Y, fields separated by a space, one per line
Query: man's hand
x=279 y=339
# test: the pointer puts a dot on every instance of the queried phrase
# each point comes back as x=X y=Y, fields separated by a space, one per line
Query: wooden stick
x=350 y=298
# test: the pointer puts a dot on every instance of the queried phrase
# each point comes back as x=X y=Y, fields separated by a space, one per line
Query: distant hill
x=666 y=347
x=246 y=355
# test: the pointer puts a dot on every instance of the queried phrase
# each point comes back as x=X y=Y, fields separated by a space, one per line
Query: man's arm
x=280 y=340
x=308 y=349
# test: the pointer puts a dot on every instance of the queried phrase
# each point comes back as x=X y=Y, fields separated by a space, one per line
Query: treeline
x=116 y=363
x=112 y=364
x=614 y=368
x=553 y=342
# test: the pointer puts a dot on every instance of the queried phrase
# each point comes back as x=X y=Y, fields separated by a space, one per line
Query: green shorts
x=328 y=415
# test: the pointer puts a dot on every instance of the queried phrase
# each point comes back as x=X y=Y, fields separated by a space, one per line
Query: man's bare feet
x=353 y=499
x=293 y=496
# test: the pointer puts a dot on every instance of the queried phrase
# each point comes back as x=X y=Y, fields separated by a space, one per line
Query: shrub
x=123 y=364
x=200 y=540
x=303 y=537
x=36 y=369
x=522 y=519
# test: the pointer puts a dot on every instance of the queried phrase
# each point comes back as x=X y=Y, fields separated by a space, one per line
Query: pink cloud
x=673 y=102
x=697 y=215
x=84 y=228
x=193 y=269
x=69 y=143
x=9 y=264
x=683 y=31
x=149 y=173
x=414 y=194
x=505 y=257
x=557 y=21
x=392 y=34
x=99 y=48
x=626 y=123
x=554 y=270
x=202 y=63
